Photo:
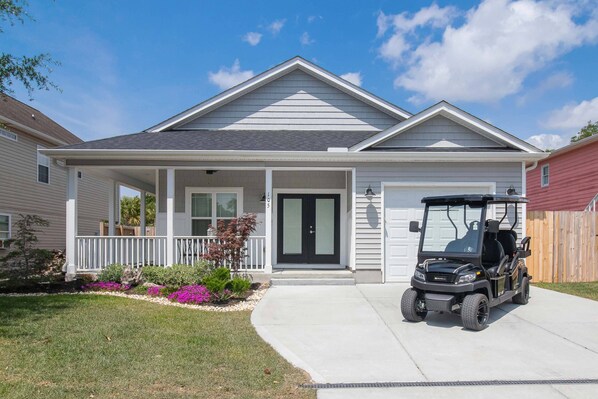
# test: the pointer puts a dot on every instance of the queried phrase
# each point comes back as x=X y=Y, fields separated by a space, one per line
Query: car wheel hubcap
x=483 y=312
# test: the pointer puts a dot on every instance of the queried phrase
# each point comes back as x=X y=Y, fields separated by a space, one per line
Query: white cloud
x=305 y=39
x=353 y=77
x=490 y=54
x=558 y=80
x=253 y=38
x=276 y=26
x=229 y=77
x=314 y=18
x=573 y=117
x=548 y=141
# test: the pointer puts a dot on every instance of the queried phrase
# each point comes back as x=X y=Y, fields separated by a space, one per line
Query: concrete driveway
x=356 y=334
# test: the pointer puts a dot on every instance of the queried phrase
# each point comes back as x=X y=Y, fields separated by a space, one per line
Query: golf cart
x=467 y=263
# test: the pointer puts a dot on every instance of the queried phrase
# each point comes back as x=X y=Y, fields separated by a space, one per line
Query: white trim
x=273 y=74
x=547 y=166
x=170 y=197
x=343 y=220
x=445 y=109
x=324 y=156
x=268 y=219
x=384 y=185
x=38 y=164
x=111 y=208
x=523 y=205
x=71 y=225
x=213 y=191
x=9 y=227
x=353 y=218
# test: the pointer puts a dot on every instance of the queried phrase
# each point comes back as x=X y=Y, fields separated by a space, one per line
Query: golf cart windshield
x=454 y=229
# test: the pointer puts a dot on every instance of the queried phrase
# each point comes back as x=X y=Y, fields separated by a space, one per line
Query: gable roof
x=24 y=117
x=573 y=146
x=296 y=63
x=457 y=115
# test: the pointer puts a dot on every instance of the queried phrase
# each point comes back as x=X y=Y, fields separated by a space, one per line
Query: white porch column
x=142 y=213
x=71 y=224
x=169 y=217
x=268 y=192
x=112 y=208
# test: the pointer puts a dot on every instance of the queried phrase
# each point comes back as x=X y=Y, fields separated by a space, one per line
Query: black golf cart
x=466 y=262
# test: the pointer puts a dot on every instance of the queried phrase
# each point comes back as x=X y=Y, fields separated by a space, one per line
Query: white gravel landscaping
x=247 y=304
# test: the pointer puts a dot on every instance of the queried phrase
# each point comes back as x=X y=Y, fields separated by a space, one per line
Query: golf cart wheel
x=475 y=312
x=412 y=306
x=523 y=297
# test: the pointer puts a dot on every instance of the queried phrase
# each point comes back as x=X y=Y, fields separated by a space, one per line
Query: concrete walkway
x=356 y=334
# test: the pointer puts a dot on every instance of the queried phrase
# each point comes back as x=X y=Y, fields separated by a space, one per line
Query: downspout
x=534 y=166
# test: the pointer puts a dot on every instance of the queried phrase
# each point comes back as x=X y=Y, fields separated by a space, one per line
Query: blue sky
x=528 y=67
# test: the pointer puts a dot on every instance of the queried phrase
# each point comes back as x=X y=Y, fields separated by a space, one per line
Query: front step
x=312 y=277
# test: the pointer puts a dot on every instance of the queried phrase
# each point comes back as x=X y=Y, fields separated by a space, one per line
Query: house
x=333 y=172
x=567 y=180
x=31 y=183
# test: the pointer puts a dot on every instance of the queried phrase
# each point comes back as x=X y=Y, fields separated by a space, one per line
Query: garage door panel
x=402 y=205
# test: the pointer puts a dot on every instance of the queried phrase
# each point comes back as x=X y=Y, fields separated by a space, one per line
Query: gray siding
x=252 y=182
x=296 y=101
x=22 y=194
x=439 y=131
x=368 y=214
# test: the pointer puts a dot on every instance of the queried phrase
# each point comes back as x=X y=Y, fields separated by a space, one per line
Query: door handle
x=310 y=230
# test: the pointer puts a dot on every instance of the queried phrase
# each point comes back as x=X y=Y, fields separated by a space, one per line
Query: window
x=208 y=206
x=455 y=229
x=545 y=176
x=8 y=135
x=4 y=227
x=43 y=167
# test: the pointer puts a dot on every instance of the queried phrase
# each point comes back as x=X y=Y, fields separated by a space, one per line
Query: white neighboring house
x=300 y=147
x=32 y=183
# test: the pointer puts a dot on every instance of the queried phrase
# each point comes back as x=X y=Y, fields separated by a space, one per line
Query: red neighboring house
x=567 y=180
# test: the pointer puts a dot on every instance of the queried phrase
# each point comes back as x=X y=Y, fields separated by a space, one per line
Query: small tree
x=229 y=248
x=23 y=250
x=588 y=130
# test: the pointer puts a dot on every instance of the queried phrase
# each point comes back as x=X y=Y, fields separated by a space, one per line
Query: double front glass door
x=308 y=228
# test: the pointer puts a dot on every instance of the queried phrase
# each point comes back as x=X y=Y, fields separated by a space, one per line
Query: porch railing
x=190 y=249
x=94 y=253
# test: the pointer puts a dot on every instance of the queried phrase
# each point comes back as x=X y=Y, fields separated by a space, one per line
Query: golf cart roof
x=477 y=198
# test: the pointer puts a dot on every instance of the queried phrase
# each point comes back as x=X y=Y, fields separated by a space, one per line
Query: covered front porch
x=304 y=216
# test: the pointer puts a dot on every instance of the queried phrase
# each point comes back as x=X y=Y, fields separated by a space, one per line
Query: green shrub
x=175 y=276
x=217 y=280
x=112 y=273
x=240 y=285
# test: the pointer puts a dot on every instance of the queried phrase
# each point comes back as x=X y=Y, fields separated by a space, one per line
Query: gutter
x=33 y=132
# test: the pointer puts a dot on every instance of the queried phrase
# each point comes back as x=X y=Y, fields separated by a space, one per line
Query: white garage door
x=402 y=205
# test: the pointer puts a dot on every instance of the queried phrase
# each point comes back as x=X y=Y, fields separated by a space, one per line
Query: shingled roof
x=13 y=111
x=227 y=140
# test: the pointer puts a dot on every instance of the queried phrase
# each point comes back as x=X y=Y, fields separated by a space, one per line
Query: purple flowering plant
x=191 y=294
x=156 y=290
x=105 y=286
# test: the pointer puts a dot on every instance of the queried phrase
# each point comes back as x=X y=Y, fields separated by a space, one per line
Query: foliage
x=589 y=130
x=229 y=247
x=585 y=290
x=130 y=210
x=30 y=71
x=217 y=280
x=156 y=290
x=195 y=294
x=240 y=285
x=174 y=276
x=105 y=286
x=23 y=252
x=112 y=273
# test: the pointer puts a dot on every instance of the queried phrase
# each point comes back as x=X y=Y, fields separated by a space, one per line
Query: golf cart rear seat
x=508 y=240
x=493 y=253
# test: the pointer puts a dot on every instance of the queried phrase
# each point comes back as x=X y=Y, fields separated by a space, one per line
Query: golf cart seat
x=493 y=253
x=508 y=240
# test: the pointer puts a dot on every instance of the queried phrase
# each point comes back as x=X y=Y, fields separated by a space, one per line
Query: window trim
x=41 y=147
x=547 y=167
x=8 y=135
x=213 y=191
x=9 y=226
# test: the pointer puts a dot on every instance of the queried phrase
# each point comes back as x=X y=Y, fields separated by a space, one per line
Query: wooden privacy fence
x=564 y=246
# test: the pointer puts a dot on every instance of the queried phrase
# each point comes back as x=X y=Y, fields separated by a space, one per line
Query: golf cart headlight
x=420 y=275
x=466 y=278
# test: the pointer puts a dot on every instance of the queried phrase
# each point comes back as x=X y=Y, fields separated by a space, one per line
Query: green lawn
x=584 y=290
x=71 y=346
